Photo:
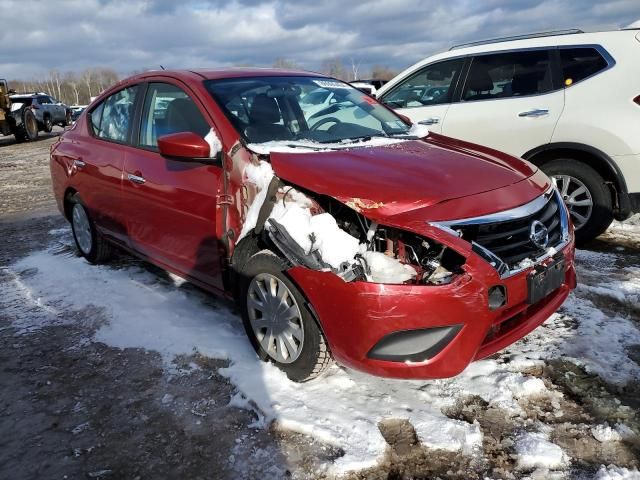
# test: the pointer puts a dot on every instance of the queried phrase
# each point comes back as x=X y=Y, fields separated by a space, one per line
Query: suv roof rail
x=549 y=33
x=30 y=93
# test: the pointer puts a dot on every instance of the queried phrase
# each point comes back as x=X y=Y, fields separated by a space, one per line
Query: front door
x=426 y=95
x=508 y=102
x=172 y=205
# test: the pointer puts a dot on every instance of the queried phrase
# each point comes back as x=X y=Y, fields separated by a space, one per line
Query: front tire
x=47 y=125
x=281 y=328
x=585 y=194
x=91 y=245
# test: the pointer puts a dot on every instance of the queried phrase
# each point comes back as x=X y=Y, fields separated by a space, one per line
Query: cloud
x=133 y=35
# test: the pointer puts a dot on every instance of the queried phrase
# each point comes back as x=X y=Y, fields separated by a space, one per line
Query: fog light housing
x=414 y=345
x=497 y=297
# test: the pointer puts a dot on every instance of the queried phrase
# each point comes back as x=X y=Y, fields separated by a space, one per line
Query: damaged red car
x=342 y=231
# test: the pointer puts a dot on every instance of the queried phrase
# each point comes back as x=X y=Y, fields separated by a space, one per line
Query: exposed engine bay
x=321 y=233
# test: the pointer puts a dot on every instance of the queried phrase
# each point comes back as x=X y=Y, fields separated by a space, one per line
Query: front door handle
x=430 y=121
x=136 y=178
x=79 y=163
x=536 y=112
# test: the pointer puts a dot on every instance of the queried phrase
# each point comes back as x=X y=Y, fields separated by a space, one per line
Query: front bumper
x=356 y=316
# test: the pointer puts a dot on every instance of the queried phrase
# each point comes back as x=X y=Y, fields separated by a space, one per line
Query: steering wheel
x=323 y=121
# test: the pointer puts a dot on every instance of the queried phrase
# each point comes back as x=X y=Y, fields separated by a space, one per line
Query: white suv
x=567 y=101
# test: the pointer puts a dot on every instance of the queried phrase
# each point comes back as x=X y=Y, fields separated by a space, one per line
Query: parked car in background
x=76 y=111
x=48 y=111
x=567 y=101
x=355 y=238
x=368 y=86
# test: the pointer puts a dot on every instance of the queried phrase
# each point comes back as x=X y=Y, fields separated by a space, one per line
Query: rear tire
x=90 y=243
x=28 y=131
x=267 y=295
x=574 y=173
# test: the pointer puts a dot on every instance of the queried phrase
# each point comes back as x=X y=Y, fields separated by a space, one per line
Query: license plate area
x=545 y=279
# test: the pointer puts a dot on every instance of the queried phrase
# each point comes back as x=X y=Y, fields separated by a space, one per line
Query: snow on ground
x=611 y=472
x=536 y=451
x=345 y=407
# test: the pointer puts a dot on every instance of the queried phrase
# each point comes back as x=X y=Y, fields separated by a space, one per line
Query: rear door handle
x=135 y=178
x=430 y=121
x=536 y=112
x=79 y=163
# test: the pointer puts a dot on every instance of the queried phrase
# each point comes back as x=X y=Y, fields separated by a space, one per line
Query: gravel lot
x=79 y=400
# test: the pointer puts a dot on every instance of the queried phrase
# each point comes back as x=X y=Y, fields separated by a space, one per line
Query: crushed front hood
x=401 y=177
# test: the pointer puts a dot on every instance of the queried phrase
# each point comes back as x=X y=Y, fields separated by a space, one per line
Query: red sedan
x=343 y=231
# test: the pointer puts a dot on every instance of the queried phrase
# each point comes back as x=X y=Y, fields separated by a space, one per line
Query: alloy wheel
x=82 y=228
x=577 y=198
x=275 y=318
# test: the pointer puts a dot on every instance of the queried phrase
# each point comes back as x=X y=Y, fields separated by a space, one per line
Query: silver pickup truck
x=48 y=110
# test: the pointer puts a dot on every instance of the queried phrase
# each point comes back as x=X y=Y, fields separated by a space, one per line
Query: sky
x=134 y=35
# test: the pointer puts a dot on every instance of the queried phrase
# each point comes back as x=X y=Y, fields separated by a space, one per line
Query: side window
x=432 y=85
x=43 y=100
x=505 y=75
x=111 y=119
x=168 y=109
x=580 y=63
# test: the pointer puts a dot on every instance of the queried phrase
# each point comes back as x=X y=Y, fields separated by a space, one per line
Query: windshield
x=266 y=109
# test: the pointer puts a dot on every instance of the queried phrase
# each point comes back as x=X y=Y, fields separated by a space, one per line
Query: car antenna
x=162 y=67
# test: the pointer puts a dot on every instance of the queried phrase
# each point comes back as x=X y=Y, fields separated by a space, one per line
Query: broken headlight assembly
x=432 y=262
x=382 y=255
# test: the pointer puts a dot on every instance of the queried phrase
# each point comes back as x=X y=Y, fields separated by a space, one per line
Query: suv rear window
x=580 y=63
x=22 y=100
x=511 y=74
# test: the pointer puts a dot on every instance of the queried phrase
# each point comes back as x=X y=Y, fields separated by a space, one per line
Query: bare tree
x=382 y=72
x=87 y=78
x=334 y=68
x=355 y=67
x=285 y=64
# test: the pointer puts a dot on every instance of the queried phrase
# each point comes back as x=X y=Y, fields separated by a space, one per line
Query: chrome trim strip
x=513 y=214
x=506 y=215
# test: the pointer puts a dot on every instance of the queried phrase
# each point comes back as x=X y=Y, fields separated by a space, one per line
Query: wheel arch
x=68 y=193
x=596 y=159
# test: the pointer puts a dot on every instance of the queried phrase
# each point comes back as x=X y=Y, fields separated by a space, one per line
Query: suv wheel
x=90 y=243
x=584 y=192
x=28 y=131
x=277 y=321
x=47 y=125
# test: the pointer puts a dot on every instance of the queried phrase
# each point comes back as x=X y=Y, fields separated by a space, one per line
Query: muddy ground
x=74 y=408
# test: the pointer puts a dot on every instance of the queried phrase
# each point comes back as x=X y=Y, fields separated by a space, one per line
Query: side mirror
x=186 y=146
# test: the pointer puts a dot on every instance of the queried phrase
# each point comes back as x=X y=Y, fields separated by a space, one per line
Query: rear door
x=98 y=161
x=426 y=95
x=510 y=101
x=45 y=106
x=171 y=206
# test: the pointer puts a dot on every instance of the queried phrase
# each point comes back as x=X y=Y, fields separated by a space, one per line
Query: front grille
x=510 y=239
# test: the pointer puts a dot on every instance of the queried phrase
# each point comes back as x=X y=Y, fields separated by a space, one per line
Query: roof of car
x=234 y=72
x=526 y=42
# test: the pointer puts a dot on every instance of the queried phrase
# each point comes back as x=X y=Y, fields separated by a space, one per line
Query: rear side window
x=111 y=119
x=505 y=75
x=580 y=63
x=433 y=85
x=168 y=109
